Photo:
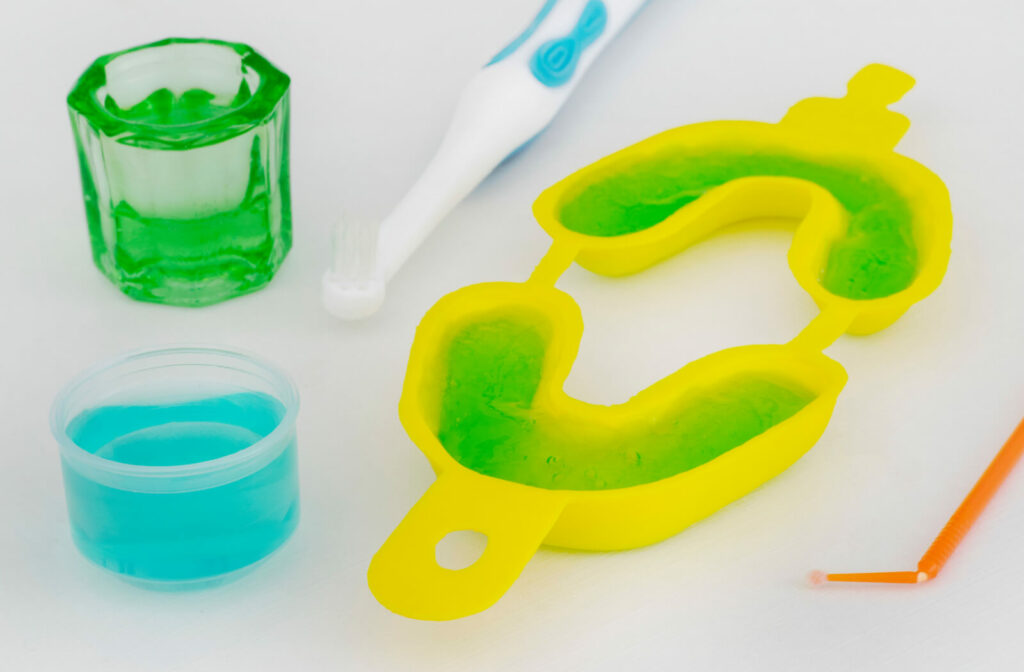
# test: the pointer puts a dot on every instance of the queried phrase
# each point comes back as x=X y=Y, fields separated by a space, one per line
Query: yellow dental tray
x=523 y=463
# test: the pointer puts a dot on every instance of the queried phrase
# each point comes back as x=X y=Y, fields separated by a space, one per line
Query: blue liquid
x=182 y=536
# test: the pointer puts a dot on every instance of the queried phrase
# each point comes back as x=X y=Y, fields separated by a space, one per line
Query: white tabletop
x=928 y=403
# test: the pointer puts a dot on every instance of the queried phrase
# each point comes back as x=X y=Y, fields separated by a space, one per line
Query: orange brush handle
x=957 y=526
x=972 y=506
x=876 y=577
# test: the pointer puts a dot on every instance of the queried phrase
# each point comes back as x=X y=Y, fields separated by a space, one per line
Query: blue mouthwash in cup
x=173 y=486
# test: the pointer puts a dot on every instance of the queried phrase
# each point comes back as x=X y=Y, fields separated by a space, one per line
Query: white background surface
x=928 y=403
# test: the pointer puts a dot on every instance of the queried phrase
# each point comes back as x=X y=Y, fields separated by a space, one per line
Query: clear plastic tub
x=179 y=464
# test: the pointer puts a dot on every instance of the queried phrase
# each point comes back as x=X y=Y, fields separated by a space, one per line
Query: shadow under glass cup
x=183 y=151
x=179 y=464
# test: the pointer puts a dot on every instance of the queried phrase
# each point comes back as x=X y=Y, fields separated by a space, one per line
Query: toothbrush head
x=351 y=300
x=352 y=289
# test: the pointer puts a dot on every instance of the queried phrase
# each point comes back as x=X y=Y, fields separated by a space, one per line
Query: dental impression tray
x=520 y=461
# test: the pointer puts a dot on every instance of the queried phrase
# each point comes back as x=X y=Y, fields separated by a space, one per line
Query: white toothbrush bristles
x=352 y=288
x=355 y=250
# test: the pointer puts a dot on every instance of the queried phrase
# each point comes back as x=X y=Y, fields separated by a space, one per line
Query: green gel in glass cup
x=183 y=150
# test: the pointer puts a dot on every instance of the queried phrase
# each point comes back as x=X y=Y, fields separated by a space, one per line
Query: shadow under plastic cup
x=179 y=464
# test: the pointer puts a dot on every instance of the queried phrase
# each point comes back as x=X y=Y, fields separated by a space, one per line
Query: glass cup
x=179 y=464
x=183 y=150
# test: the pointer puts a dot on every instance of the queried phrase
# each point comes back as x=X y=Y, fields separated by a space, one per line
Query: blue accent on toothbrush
x=525 y=35
x=555 y=61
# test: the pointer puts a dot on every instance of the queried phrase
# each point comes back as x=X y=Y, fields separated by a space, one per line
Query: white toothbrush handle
x=503 y=107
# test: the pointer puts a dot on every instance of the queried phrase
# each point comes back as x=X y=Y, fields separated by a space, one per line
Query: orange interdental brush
x=957 y=526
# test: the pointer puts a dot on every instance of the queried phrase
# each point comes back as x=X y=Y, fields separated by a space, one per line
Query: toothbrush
x=509 y=102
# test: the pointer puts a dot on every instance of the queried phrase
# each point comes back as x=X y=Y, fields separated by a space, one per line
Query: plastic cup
x=179 y=464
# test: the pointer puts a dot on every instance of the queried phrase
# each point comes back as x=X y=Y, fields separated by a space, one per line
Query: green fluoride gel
x=166 y=109
x=183 y=148
x=488 y=422
x=195 y=259
x=876 y=258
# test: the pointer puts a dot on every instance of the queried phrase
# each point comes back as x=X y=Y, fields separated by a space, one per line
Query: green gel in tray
x=488 y=422
x=876 y=258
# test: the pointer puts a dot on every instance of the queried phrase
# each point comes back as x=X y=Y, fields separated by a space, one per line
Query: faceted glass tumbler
x=183 y=150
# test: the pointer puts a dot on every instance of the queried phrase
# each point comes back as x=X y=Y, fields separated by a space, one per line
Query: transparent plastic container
x=179 y=464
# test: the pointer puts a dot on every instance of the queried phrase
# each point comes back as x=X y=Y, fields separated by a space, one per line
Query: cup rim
x=285 y=392
x=265 y=99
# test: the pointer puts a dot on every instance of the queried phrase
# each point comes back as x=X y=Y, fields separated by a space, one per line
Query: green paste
x=488 y=422
x=876 y=258
x=164 y=108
